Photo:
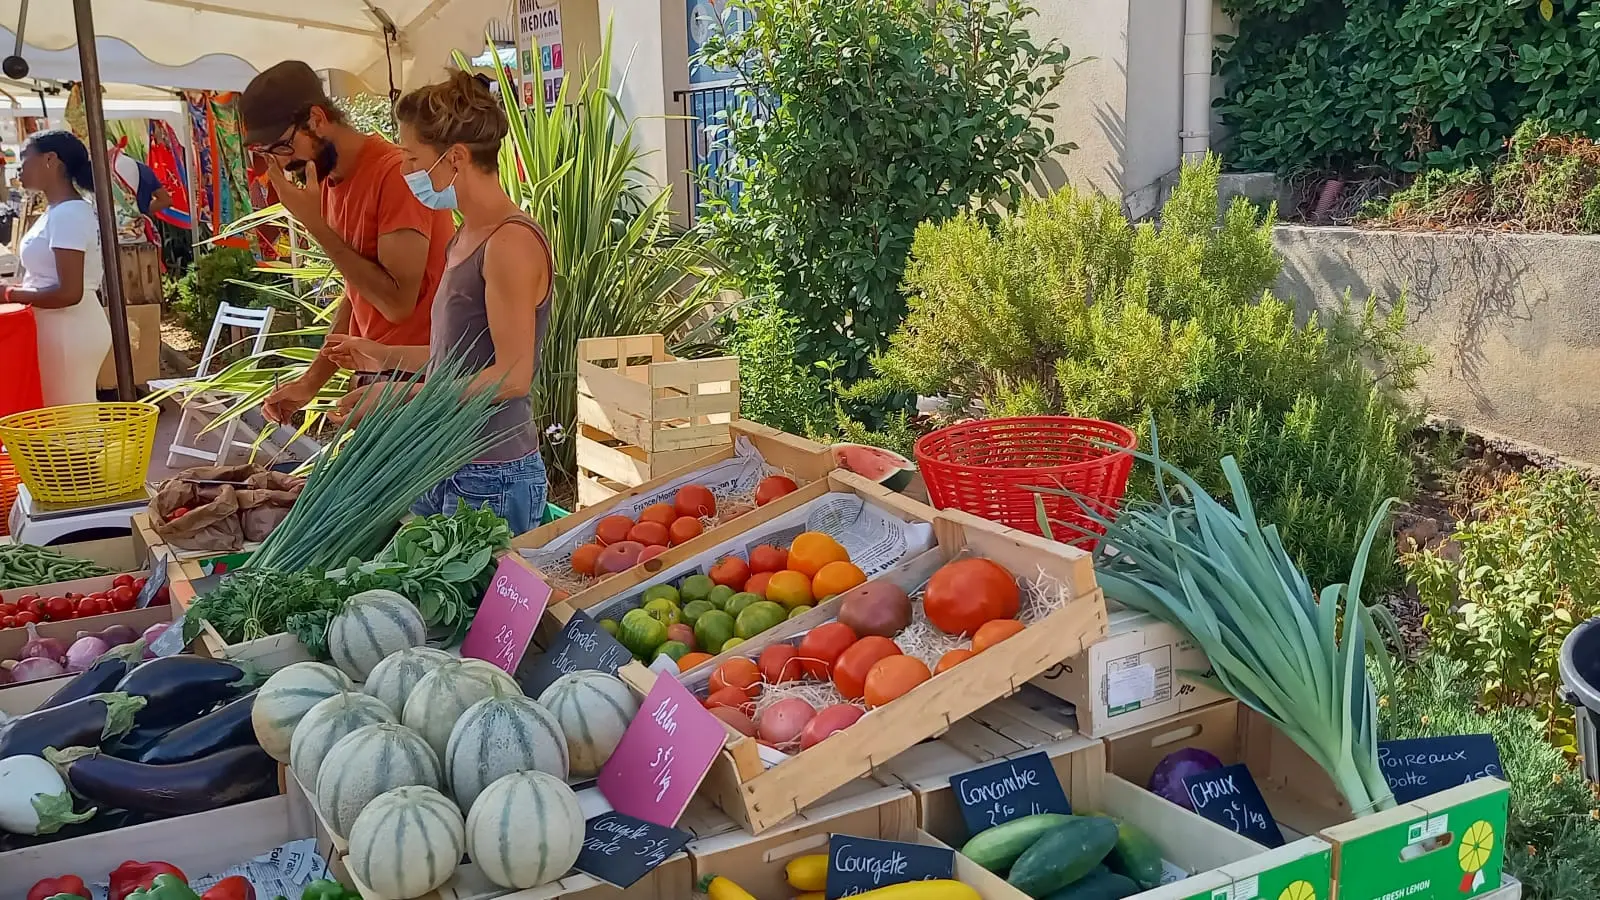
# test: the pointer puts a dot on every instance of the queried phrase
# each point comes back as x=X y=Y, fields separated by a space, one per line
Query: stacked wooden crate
x=643 y=412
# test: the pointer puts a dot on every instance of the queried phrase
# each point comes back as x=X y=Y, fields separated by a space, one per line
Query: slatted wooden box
x=643 y=412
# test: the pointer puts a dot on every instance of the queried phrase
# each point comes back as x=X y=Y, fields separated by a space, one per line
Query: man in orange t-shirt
x=355 y=203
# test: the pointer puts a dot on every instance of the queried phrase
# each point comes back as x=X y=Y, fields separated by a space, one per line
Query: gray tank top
x=460 y=319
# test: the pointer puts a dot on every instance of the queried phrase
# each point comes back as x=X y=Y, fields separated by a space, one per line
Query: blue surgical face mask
x=421 y=184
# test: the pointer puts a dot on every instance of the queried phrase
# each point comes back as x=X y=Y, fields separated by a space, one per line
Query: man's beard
x=327 y=158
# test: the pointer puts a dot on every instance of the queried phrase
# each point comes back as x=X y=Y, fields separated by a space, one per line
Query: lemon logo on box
x=1299 y=890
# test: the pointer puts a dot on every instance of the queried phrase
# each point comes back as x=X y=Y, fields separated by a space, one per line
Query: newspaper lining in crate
x=730 y=477
x=281 y=871
x=874 y=539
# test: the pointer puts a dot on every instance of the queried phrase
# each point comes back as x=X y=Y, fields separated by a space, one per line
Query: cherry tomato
x=122 y=581
x=59 y=608
x=27 y=617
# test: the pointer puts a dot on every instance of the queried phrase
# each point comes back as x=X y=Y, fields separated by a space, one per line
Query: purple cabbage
x=1167 y=780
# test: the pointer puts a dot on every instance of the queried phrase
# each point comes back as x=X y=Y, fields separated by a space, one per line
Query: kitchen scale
x=46 y=524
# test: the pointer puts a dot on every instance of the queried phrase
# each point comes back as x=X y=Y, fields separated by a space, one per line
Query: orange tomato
x=821 y=647
x=690 y=660
x=758 y=583
x=684 y=529
x=650 y=534
x=789 y=588
x=739 y=673
x=695 y=500
x=836 y=578
x=892 y=677
x=612 y=529
x=778 y=664
x=951 y=660
x=851 y=668
x=732 y=698
x=767 y=558
x=993 y=632
x=584 y=557
x=774 y=486
x=731 y=571
x=811 y=550
x=964 y=594
x=659 y=513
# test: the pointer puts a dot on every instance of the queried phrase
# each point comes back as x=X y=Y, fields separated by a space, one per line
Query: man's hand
x=356 y=354
x=354 y=406
x=282 y=404
x=304 y=203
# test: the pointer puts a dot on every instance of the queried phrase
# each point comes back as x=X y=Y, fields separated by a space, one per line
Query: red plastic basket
x=9 y=479
x=986 y=468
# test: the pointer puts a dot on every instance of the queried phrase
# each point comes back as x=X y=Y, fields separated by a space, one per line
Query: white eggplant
x=33 y=797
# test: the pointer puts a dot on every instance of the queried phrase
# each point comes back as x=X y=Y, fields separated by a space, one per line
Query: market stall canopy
x=122 y=64
x=233 y=39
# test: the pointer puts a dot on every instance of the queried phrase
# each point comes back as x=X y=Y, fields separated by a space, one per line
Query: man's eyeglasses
x=282 y=147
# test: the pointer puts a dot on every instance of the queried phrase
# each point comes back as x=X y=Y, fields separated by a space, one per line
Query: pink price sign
x=510 y=611
x=664 y=755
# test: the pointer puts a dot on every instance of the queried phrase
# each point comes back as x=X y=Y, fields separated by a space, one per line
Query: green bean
x=24 y=565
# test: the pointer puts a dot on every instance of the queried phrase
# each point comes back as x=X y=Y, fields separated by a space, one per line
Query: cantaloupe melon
x=525 y=830
x=392 y=680
x=407 y=842
x=499 y=735
x=594 y=709
x=286 y=697
x=373 y=625
x=367 y=762
x=444 y=694
x=325 y=724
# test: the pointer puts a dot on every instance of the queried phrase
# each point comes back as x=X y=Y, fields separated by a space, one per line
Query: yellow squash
x=808 y=873
x=922 y=890
x=812 y=895
x=718 y=888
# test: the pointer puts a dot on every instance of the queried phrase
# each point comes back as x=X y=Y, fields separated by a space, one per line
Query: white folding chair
x=197 y=404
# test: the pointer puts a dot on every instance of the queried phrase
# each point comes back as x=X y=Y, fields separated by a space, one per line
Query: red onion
x=35 y=668
x=41 y=647
x=150 y=635
x=113 y=635
x=84 y=651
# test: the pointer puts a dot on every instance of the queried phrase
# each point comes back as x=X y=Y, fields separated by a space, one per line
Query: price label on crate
x=1228 y=796
x=154 y=581
x=664 y=754
x=857 y=864
x=171 y=640
x=1418 y=767
x=507 y=616
x=582 y=645
x=1010 y=789
x=620 y=849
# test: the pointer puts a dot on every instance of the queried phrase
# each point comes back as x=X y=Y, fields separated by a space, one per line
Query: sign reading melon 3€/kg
x=540 y=55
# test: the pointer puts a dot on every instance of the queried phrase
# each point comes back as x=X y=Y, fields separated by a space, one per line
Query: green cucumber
x=1063 y=855
x=1136 y=856
x=997 y=848
x=1100 y=884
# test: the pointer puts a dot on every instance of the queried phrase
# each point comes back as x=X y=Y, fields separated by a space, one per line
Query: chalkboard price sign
x=1010 y=789
x=154 y=582
x=1229 y=797
x=582 y=644
x=621 y=849
x=857 y=865
x=1419 y=767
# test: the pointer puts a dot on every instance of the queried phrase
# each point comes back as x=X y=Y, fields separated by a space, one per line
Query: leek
x=1274 y=644
x=356 y=494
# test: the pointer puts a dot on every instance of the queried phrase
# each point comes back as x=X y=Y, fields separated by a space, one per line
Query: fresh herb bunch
x=443 y=562
x=252 y=603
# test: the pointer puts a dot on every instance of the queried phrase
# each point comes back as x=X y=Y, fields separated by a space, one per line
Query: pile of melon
x=432 y=757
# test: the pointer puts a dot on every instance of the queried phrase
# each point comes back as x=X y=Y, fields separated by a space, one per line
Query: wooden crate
x=643 y=412
x=1204 y=858
x=141 y=273
x=267 y=654
x=1368 y=860
x=758 y=797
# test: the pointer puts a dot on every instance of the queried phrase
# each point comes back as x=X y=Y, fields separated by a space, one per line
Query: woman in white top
x=61 y=269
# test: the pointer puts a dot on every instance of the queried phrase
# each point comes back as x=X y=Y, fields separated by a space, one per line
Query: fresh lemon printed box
x=1301 y=870
x=1449 y=846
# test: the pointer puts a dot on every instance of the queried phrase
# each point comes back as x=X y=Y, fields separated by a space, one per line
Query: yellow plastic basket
x=82 y=452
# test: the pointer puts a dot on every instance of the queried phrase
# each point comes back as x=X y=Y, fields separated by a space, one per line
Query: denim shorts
x=514 y=489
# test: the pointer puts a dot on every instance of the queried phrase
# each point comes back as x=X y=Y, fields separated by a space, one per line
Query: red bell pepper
x=132 y=876
x=234 y=887
x=61 y=884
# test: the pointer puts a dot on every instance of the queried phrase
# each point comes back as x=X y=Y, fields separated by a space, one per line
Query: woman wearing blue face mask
x=493 y=301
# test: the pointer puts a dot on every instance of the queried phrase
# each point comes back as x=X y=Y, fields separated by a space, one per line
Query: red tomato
x=739 y=673
x=178 y=513
x=35 y=606
x=963 y=595
x=822 y=645
x=850 y=670
x=138 y=583
x=26 y=597
x=122 y=581
x=26 y=617
x=8 y=621
x=123 y=597
x=7 y=609
x=778 y=664
x=58 y=608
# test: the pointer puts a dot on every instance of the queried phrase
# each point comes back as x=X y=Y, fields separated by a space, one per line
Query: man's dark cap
x=278 y=98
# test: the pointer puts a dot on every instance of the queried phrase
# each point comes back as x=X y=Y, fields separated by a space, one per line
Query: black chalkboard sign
x=857 y=865
x=1010 y=789
x=582 y=644
x=620 y=849
x=154 y=581
x=1419 y=767
x=1229 y=797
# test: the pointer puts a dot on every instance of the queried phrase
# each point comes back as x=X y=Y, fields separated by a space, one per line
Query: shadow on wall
x=1512 y=321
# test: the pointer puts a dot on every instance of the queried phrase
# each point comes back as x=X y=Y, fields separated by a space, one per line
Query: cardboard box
x=1204 y=860
x=144 y=338
x=1132 y=677
x=1409 y=851
x=759 y=797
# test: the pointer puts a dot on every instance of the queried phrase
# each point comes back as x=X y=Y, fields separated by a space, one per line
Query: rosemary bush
x=1066 y=307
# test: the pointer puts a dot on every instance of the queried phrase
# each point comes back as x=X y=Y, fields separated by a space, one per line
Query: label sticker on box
x=1129 y=687
x=857 y=864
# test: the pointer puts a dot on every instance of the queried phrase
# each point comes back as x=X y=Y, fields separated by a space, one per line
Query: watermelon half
x=885 y=467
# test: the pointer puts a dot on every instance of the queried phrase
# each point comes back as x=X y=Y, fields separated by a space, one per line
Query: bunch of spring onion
x=356 y=493
x=1272 y=641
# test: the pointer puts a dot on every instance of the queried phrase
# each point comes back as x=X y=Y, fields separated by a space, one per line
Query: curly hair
x=459 y=110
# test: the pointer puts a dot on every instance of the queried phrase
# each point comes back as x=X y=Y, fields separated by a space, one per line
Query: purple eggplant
x=226 y=727
x=211 y=781
x=182 y=688
x=86 y=722
x=104 y=675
